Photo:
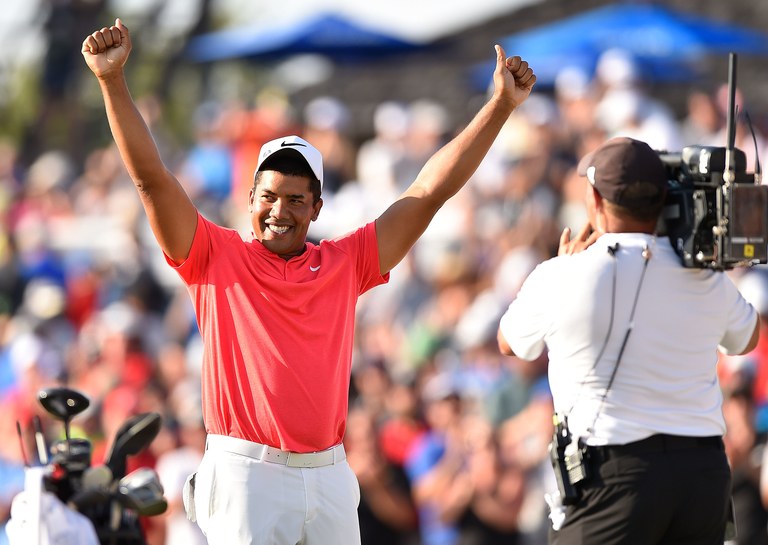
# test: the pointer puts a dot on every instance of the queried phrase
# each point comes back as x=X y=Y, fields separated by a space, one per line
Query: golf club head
x=141 y=491
x=63 y=403
x=133 y=436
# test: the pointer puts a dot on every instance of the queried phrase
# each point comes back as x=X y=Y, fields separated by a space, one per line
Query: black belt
x=658 y=443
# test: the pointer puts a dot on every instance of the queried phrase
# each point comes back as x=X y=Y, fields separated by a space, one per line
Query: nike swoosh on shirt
x=314 y=269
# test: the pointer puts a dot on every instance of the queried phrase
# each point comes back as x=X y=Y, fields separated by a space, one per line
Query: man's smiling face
x=282 y=209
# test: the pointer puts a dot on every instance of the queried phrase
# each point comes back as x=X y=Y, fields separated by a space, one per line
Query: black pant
x=661 y=490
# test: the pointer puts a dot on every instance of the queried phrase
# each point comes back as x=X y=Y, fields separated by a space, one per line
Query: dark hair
x=290 y=163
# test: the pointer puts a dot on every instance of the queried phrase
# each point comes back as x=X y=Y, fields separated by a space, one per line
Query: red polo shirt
x=278 y=334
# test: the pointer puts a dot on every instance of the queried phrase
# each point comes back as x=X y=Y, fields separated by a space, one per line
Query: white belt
x=274 y=455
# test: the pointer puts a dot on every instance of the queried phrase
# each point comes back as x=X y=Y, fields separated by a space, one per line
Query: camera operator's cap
x=293 y=144
x=626 y=172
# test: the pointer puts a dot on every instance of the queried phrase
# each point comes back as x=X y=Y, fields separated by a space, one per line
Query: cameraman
x=632 y=336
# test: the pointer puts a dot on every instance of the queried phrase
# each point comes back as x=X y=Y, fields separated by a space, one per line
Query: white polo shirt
x=666 y=381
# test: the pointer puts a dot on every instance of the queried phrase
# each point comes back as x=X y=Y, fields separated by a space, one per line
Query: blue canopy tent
x=325 y=34
x=667 y=45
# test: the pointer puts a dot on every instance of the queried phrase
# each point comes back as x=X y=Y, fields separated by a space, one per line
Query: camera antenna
x=723 y=196
x=730 y=170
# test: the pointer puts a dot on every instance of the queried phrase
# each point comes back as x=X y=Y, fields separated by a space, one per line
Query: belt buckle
x=300 y=459
x=289 y=460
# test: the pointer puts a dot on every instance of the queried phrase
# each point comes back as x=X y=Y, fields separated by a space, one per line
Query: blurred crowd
x=447 y=437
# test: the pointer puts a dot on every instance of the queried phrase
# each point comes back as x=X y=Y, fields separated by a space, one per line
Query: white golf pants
x=238 y=499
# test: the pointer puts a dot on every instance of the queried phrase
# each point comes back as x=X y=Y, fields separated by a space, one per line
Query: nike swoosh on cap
x=286 y=144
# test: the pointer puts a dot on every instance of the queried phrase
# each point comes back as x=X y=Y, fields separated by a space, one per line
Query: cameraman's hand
x=586 y=237
x=106 y=50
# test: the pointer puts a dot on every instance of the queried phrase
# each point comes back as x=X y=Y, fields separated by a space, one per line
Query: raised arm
x=400 y=226
x=171 y=214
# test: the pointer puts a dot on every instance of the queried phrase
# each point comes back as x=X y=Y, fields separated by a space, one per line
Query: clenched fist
x=106 y=50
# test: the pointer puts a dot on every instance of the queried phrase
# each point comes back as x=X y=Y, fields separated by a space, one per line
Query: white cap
x=313 y=157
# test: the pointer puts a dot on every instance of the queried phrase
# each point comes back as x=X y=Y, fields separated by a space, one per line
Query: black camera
x=715 y=214
x=570 y=461
x=713 y=222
